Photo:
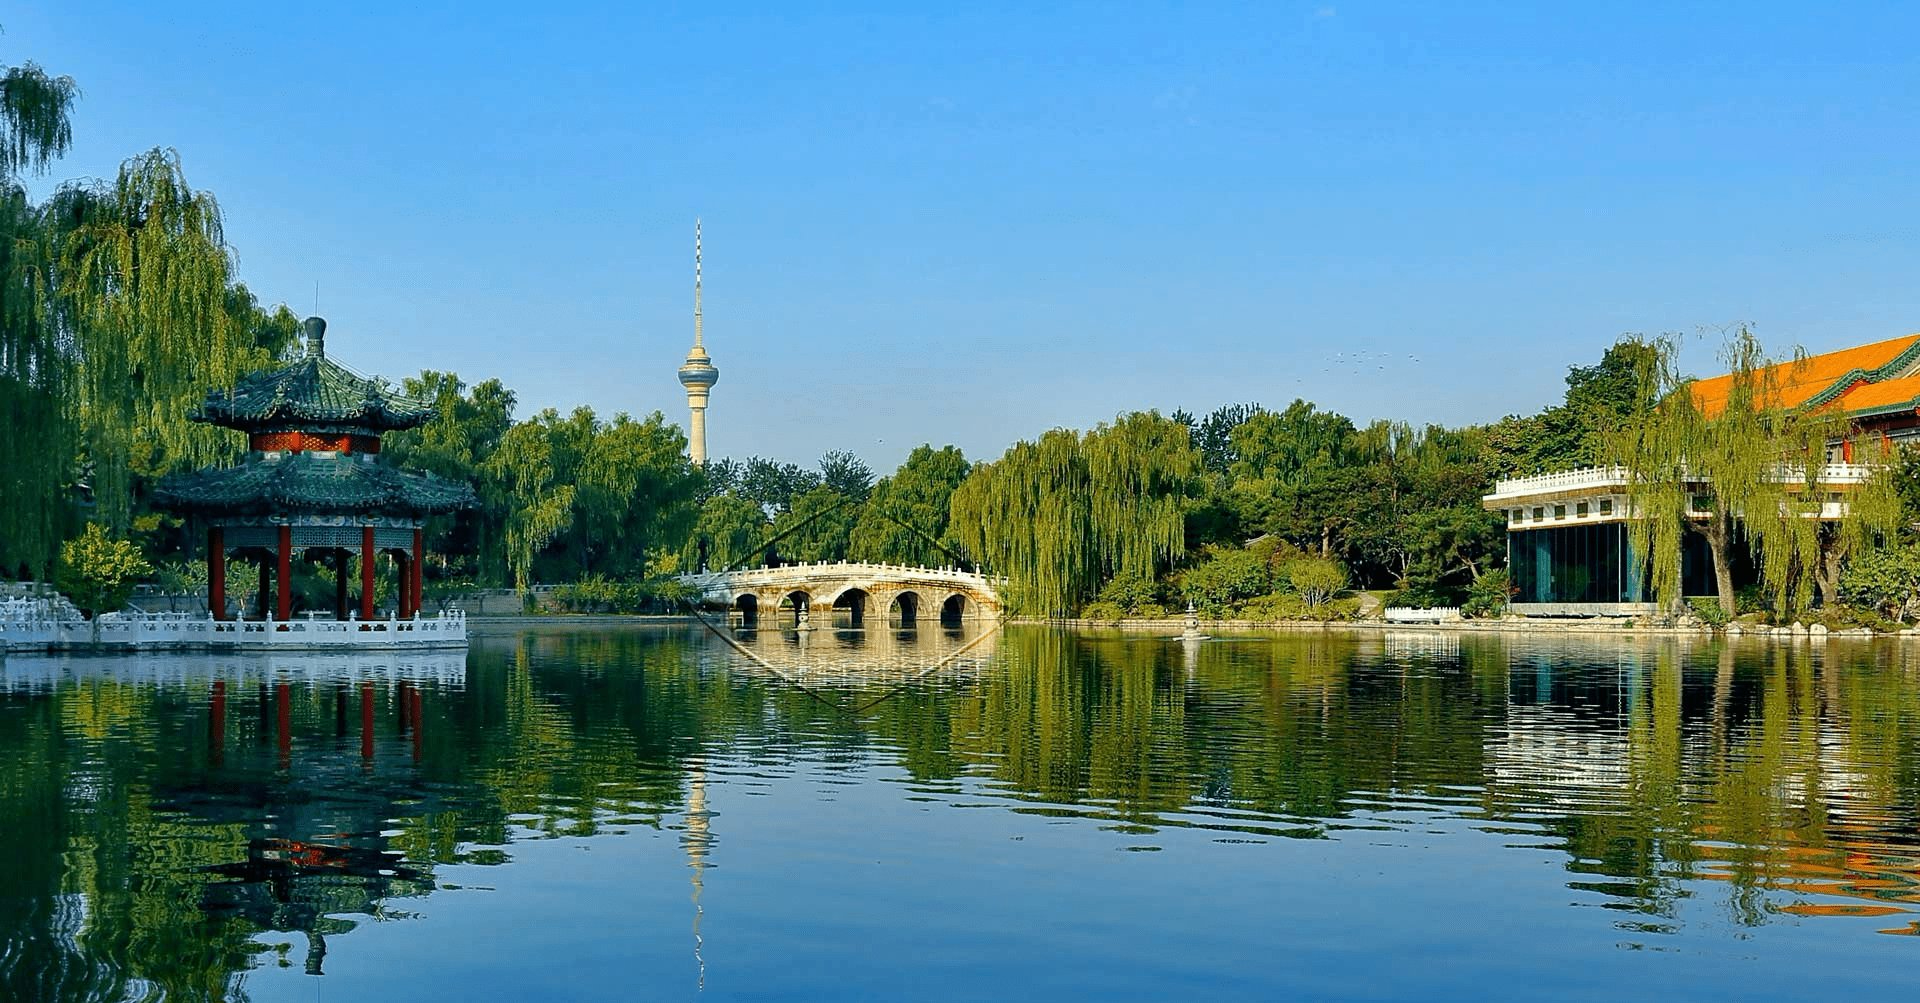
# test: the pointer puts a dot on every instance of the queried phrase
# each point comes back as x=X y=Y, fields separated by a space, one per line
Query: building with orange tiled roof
x=1821 y=380
x=1568 y=549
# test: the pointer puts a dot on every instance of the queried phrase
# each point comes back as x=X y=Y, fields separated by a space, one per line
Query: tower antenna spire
x=697 y=335
x=698 y=375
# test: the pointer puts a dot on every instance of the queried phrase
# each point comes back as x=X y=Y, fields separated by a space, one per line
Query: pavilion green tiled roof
x=319 y=483
x=312 y=393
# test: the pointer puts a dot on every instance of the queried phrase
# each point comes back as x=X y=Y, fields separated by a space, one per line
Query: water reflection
x=176 y=824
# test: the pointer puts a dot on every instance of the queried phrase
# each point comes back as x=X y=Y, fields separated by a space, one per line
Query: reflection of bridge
x=812 y=593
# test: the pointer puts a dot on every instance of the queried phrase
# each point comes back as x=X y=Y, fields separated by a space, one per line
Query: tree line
x=120 y=308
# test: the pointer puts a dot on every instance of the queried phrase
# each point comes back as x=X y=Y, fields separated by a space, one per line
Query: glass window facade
x=1574 y=564
x=1595 y=564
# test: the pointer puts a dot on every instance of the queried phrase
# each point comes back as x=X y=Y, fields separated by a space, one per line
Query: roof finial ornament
x=316 y=329
x=696 y=283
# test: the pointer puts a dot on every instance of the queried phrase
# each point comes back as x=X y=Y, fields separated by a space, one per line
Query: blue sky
x=970 y=223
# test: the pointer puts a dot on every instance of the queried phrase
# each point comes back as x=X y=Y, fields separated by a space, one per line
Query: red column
x=283 y=575
x=419 y=551
x=366 y=572
x=217 y=573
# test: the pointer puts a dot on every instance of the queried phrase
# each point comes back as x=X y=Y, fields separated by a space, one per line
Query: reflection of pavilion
x=310 y=758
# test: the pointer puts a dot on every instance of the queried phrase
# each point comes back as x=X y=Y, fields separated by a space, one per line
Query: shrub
x=1316 y=579
x=1886 y=581
x=1280 y=607
x=98 y=572
x=1100 y=609
x=1709 y=611
x=1275 y=607
x=1488 y=596
x=1836 y=616
x=1752 y=599
x=1134 y=593
x=1225 y=578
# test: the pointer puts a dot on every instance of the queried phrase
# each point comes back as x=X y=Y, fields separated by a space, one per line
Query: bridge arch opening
x=853 y=602
x=953 y=611
x=904 y=612
x=748 y=606
x=794 y=606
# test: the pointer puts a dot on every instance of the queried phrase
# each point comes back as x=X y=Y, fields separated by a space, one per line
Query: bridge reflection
x=846 y=656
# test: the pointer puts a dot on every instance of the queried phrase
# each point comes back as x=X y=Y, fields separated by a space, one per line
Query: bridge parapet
x=826 y=582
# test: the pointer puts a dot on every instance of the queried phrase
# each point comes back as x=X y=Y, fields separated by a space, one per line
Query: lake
x=671 y=812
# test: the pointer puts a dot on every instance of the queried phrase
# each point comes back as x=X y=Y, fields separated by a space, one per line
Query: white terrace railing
x=1603 y=478
x=29 y=629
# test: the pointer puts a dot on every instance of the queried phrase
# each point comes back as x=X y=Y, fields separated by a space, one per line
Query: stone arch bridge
x=850 y=594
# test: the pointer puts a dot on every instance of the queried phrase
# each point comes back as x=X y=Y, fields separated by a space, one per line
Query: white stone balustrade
x=1602 y=480
x=181 y=631
x=824 y=582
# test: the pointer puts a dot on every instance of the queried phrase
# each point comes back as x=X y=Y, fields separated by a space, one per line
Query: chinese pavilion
x=312 y=484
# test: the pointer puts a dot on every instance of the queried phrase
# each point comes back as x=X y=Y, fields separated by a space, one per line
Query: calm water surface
x=578 y=813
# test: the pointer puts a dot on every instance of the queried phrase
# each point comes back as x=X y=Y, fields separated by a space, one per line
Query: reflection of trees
x=141 y=854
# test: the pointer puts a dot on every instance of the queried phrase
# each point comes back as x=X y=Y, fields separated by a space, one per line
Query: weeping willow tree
x=531 y=471
x=1143 y=468
x=1028 y=516
x=36 y=385
x=1738 y=469
x=35 y=358
x=143 y=281
x=1058 y=516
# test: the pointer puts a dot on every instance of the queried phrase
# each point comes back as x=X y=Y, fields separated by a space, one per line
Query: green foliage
x=1212 y=436
x=1026 y=515
x=1275 y=607
x=1421 y=594
x=817 y=527
x=1738 y=459
x=1142 y=471
x=1600 y=398
x=181 y=578
x=1709 y=611
x=1223 y=579
x=1281 y=607
x=1290 y=445
x=1488 y=596
x=1134 y=595
x=846 y=473
x=599 y=594
x=905 y=518
x=1315 y=579
x=582 y=496
x=99 y=572
x=1886 y=581
x=466 y=429
x=1060 y=515
x=771 y=485
x=35 y=120
x=729 y=531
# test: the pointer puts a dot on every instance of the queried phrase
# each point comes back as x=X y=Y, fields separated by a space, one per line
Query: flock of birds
x=1358 y=362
